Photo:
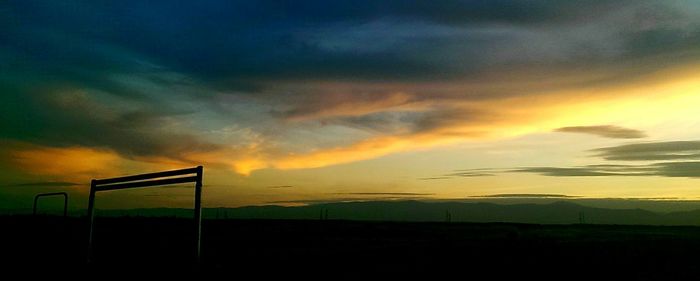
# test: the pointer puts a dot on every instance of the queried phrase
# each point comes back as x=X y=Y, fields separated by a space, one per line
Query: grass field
x=351 y=249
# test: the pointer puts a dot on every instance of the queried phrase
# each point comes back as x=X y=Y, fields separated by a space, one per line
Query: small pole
x=65 y=201
x=65 y=205
x=91 y=216
x=198 y=213
x=36 y=198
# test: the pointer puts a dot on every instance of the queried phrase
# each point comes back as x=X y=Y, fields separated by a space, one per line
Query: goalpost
x=149 y=180
x=65 y=201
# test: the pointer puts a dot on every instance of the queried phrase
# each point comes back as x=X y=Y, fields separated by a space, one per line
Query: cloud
x=592 y=171
x=469 y=174
x=525 y=196
x=669 y=159
x=580 y=171
x=652 y=151
x=607 y=131
x=44 y=184
x=248 y=46
x=346 y=199
x=366 y=40
x=434 y=178
x=280 y=186
x=318 y=83
x=362 y=150
x=689 y=169
x=79 y=119
x=387 y=193
x=679 y=169
x=75 y=163
x=346 y=103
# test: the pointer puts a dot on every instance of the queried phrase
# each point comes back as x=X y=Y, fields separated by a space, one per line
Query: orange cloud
x=363 y=150
x=81 y=164
x=67 y=163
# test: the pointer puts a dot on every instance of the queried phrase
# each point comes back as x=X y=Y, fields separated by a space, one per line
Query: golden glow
x=656 y=98
x=69 y=163
x=363 y=150
x=247 y=165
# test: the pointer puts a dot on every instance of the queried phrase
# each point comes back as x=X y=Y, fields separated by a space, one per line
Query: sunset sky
x=291 y=102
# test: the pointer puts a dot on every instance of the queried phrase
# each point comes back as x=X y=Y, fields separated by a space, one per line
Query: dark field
x=351 y=249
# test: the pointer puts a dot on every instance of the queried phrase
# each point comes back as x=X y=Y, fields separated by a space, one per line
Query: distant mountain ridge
x=552 y=213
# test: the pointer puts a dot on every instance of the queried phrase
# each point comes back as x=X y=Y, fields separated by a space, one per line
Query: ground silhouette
x=340 y=249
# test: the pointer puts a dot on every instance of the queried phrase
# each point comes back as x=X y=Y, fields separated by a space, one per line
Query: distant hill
x=552 y=213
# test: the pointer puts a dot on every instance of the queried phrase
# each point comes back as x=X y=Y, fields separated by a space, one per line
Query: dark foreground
x=349 y=249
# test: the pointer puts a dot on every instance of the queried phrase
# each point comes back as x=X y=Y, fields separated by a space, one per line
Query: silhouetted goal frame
x=190 y=175
x=65 y=201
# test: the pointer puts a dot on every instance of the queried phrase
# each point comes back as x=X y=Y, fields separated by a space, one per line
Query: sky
x=291 y=102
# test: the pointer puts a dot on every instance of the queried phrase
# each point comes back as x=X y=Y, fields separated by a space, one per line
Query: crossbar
x=147 y=176
x=146 y=183
x=148 y=180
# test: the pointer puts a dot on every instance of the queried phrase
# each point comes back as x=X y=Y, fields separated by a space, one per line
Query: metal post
x=198 y=213
x=91 y=216
x=65 y=205
x=36 y=198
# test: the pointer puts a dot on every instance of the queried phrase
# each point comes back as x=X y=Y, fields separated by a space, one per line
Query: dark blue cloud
x=236 y=43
